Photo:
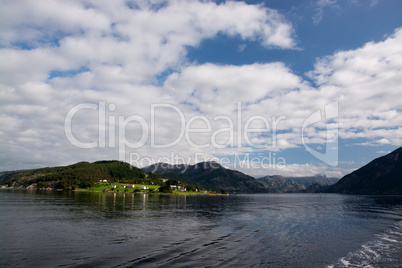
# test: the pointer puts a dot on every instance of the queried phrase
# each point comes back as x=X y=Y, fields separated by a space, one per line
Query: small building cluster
x=143 y=187
x=130 y=186
x=178 y=188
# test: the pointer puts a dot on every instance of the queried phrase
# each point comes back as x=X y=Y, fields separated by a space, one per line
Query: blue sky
x=200 y=63
x=344 y=25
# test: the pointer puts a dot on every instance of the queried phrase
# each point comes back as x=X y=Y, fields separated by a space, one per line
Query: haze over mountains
x=320 y=179
x=280 y=184
x=212 y=175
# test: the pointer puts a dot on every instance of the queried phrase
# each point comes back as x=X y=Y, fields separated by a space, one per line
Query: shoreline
x=122 y=192
x=108 y=192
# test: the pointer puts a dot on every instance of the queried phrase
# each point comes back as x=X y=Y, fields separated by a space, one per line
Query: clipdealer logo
x=238 y=133
x=329 y=116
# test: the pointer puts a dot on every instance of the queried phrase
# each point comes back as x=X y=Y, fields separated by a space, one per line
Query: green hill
x=89 y=176
x=82 y=174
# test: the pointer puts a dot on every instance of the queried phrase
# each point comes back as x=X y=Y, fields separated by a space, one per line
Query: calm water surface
x=81 y=229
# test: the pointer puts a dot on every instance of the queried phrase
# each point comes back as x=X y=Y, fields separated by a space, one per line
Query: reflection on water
x=51 y=229
x=128 y=205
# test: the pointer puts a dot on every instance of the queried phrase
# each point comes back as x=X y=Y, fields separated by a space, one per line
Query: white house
x=102 y=180
x=112 y=186
x=144 y=187
x=179 y=188
x=182 y=189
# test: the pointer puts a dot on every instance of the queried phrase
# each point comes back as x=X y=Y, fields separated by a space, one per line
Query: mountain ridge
x=321 y=179
x=210 y=175
x=280 y=184
x=382 y=175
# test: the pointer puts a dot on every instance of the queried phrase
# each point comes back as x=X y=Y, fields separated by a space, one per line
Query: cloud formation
x=321 y=5
x=57 y=54
x=368 y=83
x=132 y=54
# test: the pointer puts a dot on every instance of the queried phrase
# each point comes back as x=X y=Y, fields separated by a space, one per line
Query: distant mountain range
x=381 y=176
x=210 y=175
x=320 y=179
x=280 y=184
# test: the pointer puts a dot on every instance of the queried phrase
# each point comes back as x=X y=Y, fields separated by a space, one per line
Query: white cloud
x=320 y=6
x=289 y=170
x=119 y=48
x=215 y=89
x=242 y=47
x=352 y=77
x=368 y=83
x=143 y=42
x=383 y=152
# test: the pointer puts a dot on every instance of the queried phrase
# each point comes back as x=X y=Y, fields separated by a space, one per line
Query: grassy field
x=198 y=193
x=99 y=187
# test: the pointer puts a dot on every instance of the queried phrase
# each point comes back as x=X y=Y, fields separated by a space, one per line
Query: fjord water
x=84 y=229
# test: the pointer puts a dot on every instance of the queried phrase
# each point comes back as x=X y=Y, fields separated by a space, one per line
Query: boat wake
x=384 y=251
